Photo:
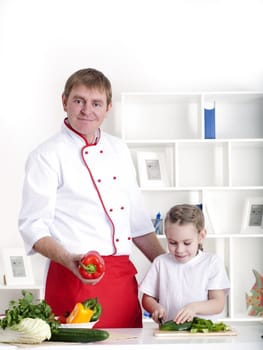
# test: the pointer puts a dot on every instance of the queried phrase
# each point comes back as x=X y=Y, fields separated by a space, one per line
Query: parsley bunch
x=26 y=308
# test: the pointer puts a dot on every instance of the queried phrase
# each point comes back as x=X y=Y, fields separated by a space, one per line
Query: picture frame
x=17 y=267
x=152 y=169
x=253 y=216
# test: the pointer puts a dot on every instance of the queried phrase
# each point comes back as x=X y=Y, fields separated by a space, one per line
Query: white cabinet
x=14 y=292
x=221 y=173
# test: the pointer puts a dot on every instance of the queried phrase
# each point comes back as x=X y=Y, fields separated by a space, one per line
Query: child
x=186 y=282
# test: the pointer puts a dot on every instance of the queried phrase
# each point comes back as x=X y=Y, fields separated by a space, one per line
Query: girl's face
x=183 y=240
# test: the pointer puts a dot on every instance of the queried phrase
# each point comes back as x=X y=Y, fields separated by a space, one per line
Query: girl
x=186 y=282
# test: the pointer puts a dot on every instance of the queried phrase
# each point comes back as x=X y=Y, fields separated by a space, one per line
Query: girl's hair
x=186 y=214
x=91 y=78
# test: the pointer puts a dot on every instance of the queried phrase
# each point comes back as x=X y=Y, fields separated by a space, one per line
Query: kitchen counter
x=248 y=337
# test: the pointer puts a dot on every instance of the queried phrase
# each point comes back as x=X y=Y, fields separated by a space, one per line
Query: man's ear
x=64 y=102
x=109 y=106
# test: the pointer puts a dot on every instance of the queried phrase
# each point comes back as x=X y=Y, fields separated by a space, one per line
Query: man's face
x=86 y=110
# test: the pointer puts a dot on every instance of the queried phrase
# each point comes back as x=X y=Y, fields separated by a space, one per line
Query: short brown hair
x=184 y=214
x=91 y=78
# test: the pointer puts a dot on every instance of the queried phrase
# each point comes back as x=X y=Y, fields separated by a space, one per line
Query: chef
x=80 y=194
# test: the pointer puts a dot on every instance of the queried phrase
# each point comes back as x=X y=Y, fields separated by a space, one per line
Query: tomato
x=62 y=319
x=92 y=266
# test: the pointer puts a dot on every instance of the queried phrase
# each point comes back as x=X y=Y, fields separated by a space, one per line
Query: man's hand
x=53 y=250
x=73 y=266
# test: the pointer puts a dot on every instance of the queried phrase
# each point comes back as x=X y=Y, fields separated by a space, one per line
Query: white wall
x=141 y=45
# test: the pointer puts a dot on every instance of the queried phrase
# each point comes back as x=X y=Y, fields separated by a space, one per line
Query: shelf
x=219 y=163
x=225 y=235
x=210 y=159
x=156 y=109
x=221 y=173
x=238 y=114
x=202 y=188
x=247 y=163
x=21 y=287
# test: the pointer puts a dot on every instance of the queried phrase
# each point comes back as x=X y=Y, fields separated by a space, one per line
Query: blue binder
x=210 y=127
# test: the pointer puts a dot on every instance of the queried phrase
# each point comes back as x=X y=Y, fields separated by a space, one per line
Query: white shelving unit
x=220 y=173
x=14 y=291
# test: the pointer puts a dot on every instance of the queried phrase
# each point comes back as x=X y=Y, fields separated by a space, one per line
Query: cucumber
x=79 y=335
x=173 y=326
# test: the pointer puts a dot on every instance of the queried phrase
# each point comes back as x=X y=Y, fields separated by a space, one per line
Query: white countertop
x=248 y=338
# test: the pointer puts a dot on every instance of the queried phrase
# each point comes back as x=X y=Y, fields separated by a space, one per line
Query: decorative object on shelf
x=158 y=224
x=211 y=219
x=147 y=315
x=253 y=216
x=254 y=298
x=210 y=123
x=152 y=169
x=17 y=267
x=200 y=206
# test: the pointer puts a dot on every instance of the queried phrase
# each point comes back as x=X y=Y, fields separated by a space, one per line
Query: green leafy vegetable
x=198 y=325
x=173 y=326
x=26 y=308
x=27 y=331
x=201 y=325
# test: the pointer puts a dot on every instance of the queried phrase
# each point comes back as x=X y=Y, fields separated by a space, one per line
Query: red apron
x=117 y=293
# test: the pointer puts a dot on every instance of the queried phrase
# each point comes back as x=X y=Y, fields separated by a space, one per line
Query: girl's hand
x=186 y=314
x=159 y=313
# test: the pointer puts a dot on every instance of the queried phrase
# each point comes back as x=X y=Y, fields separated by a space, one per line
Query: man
x=80 y=194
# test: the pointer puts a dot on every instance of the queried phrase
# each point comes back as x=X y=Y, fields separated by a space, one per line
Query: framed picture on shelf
x=152 y=169
x=17 y=267
x=253 y=216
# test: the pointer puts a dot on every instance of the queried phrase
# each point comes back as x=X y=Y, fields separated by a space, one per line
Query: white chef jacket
x=85 y=196
x=177 y=284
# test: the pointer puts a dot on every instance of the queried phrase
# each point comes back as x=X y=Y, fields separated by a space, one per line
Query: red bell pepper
x=92 y=266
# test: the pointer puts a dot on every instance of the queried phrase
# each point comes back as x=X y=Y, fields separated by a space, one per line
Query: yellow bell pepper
x=79 y=314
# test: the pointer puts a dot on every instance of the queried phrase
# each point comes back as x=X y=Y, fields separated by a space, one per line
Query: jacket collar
x=76 y=135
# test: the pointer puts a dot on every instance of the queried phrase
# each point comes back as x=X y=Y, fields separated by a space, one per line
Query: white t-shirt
x=176 y=284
